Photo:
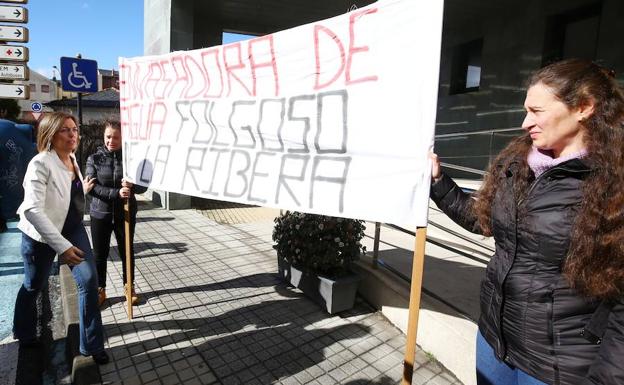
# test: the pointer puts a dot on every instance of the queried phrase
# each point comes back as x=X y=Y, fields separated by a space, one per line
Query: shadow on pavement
x=384 y=380
x=250 y=281
x=450 y=281
x=11 y=272
x=264 y=341
x=141 y=249
x=154 y=219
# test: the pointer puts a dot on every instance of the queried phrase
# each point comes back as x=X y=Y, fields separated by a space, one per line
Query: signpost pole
x=79 y=113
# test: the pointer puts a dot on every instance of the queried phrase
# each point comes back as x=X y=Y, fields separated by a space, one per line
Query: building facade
x=42 y=90
x=96 y=107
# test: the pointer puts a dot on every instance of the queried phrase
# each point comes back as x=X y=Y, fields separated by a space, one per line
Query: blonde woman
x=51 y=223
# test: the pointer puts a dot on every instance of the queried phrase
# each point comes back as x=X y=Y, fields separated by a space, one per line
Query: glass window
x=573 y=33
x=466 y=67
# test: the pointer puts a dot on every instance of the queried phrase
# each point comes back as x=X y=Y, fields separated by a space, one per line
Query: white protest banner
x=334 y=117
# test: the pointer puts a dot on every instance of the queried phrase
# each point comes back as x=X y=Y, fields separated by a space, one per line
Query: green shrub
x=318 y=243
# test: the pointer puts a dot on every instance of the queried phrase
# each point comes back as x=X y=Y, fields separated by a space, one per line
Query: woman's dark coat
x=529 y=314
x=106 y=167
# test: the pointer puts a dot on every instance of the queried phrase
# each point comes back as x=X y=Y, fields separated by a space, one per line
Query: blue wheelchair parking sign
x=79 y=75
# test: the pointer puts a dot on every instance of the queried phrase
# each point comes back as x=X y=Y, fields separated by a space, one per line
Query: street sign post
x=14 y=53
x=79 y=75
x=13 y=14
x=13 y=33
x=13 y=72
x=14 y=91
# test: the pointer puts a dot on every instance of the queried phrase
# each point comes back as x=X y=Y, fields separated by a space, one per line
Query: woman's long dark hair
x=595 y=262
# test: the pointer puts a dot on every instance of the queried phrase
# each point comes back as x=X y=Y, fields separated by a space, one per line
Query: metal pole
x=79 y=113
x=128 y=285
x=376 y=245
x=414 y=305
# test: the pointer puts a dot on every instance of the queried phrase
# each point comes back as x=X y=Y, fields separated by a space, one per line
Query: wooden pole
x=414 y=305
x=128 y=285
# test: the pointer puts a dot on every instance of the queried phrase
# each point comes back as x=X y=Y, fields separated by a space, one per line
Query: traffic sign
x=11 y=33
x=79 y=75
x=13 y=14
x=36 y=107
x=13 y=72
x=13 y=53
x=14 y=91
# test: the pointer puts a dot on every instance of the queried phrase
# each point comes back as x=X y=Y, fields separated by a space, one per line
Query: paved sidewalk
x=214 y=312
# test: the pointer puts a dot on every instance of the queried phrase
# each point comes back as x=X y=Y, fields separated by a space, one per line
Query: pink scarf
x=541 y=160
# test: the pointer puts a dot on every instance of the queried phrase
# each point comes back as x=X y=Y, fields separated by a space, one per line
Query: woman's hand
x=436 y=170
x=72 y=256
x=125 y=183
x=124 y=192
x=88 y=183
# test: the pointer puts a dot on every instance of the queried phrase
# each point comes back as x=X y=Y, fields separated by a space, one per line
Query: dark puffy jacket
x=106 y=167
x=529 y=314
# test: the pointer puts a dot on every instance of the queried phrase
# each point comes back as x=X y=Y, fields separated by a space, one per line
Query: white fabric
x=47 y=195
x=334 y=117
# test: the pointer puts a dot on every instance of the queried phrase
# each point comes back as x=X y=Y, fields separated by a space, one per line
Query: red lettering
x=165 y=81
x=124 y=122
x=230 y=68
x=181 y=77
x=353 y=49
x=317 y=54
x=156 y=117
x=271 y=62
x=123 y=88
x=152 y=79
x=198 y=86
x=215 y=55
x=133 y=121
x=135 y=89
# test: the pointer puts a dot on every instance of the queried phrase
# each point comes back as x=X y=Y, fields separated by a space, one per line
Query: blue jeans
x=38 y=258
x=492 y=371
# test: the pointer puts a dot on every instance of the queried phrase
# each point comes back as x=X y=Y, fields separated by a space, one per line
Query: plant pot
x=335 y=295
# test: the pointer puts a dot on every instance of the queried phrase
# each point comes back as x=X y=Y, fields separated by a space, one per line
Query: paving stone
x=440 y=380
x=217 y=314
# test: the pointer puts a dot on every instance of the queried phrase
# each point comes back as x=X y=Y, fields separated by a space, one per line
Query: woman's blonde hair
x=48 y=126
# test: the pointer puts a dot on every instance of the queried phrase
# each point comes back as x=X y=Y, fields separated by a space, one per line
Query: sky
x=101 y=30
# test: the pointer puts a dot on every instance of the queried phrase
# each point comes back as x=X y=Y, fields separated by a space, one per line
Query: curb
x=83 y=369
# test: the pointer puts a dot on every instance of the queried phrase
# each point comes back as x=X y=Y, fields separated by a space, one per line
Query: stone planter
x=333 y=295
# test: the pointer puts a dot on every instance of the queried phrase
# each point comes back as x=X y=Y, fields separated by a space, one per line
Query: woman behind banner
x=51 y=222
x=552 y=306
x=107 y=206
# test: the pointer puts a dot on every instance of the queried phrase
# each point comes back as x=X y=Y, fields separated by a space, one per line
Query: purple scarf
x=541 y=160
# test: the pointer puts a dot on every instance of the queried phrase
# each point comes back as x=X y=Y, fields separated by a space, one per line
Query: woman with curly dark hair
x=552 y=309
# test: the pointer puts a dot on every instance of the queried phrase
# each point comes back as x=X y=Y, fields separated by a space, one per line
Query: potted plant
x=314 y=253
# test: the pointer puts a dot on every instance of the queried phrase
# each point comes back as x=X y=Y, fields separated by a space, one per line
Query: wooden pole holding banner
x=128 y=285
x=414 y=305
